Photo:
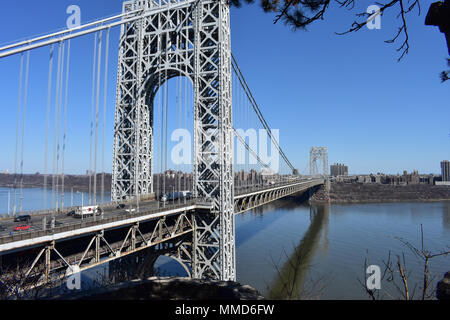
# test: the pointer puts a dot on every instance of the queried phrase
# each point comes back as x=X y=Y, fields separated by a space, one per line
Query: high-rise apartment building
x=445 y=170
x=338 y=169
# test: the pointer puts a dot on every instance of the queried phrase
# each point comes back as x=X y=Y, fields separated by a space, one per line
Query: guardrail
x=25 y=235
x=65 y=210
x=272 y=186
x=85 y=224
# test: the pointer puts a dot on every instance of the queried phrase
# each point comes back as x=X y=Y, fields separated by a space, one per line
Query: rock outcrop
x=443 y=288
x=170 y=289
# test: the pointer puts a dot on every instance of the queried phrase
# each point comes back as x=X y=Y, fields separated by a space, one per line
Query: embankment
x=371 y=192
x=170 y=288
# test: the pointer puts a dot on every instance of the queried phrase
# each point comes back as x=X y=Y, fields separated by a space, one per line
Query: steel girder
x=100 y=249
x=192 y=41
x=255 y=200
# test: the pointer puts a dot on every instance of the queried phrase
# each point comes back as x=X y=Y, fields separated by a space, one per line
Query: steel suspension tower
x=315 y=154
x=191 y=39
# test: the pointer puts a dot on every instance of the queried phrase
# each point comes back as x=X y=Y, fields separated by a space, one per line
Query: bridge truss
x=192 y=41
x=161 y=40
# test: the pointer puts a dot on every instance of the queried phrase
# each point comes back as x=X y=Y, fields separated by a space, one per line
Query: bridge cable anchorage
x=247 y=90
x=65 y=122
x=49 y=98
x=19 y=105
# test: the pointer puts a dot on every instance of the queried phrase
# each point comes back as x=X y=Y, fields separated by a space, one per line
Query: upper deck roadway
x=66 y=227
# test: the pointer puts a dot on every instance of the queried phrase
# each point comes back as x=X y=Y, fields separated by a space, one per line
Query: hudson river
x=290 y=250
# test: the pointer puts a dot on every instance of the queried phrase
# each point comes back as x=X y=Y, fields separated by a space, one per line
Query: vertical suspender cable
x=65 y=121
x=49 y=99
x=178 y=114
x=99 y=66
x=58 y=75
x=158 y=161
x=105 y=89
x=180 y=85
x=166 y=106
x=159 y=116
x=186 y=80
x=27 y=68
x=19 y=103
x=58 y=124
x=92 y=116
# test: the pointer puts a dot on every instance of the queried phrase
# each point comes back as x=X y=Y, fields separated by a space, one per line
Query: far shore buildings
x=398 y=179
x=406 y=178
x=445 y=173
x=338 y=169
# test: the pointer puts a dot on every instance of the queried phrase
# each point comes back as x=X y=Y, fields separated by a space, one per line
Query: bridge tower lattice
x=191 y=39
x=318 y=154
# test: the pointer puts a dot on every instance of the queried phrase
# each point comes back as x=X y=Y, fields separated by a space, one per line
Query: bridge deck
x=68 y=227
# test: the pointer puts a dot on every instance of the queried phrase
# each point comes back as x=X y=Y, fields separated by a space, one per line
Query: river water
x=291 y=250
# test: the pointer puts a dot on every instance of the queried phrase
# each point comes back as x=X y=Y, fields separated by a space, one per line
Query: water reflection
x=446 y=215
x=289 y=283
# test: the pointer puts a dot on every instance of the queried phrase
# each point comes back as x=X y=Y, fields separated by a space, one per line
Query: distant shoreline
x=33 y=181
x=353 y=193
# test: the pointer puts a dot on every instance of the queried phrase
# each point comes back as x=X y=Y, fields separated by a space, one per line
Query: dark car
x=22 y=218
x=121 y=206
x=71 y=213
x=2 y=228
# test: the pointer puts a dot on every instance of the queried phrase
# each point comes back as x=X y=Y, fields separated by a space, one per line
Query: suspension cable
x=58 y=82
x=49 y=98
x=105 y=89
x=256 y=109
x=25 y=94
x=249 y=149
x=59 y=104
x=92 y=118
x=19 y=104
x=65 y=121
x=99 y=66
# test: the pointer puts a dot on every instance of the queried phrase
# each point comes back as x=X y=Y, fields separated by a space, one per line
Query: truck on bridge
x=176 y=195
x=87 y=211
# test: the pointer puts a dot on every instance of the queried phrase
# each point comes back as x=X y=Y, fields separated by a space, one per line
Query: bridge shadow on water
x=290 y=281
x=246 y=231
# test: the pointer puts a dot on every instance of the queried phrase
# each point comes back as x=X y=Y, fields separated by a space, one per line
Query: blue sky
x=348 y=93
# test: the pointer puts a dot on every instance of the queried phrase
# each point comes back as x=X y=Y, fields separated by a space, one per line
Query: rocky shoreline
x=179 y=288
x=348 y=193
x=170 y=288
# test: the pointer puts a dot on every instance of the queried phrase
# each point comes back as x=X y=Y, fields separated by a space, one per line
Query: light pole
x=9 y=198
x=173 y=194
x=81 y=204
